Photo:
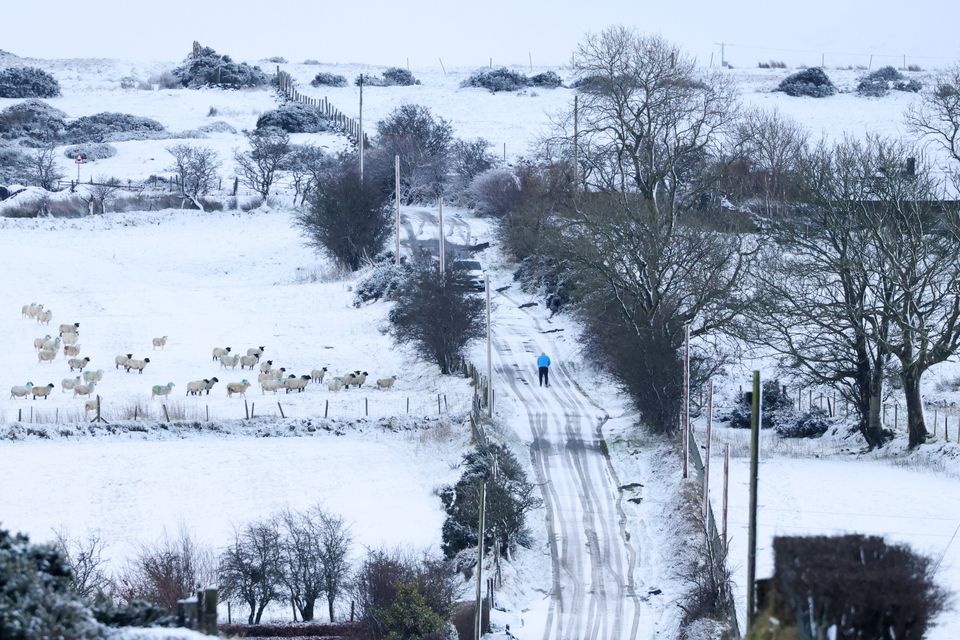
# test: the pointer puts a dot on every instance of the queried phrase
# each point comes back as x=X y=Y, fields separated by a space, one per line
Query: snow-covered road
x=593 y=591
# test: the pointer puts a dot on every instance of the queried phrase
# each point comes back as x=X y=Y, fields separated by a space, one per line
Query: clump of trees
x=204 y=67
x=27 y=82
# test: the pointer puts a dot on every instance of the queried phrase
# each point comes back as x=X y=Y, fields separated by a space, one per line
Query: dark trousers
x=544 y=376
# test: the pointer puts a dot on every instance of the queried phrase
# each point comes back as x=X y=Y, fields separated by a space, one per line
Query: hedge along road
x=593 y=590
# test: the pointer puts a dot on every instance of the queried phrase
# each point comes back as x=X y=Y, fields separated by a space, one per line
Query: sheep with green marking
x=161 y=390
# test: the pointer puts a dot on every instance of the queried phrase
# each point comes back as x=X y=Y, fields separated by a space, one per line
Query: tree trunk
x=263 y=605
x=306 y=611
x=330 y=599
x=915 y=423
x=253 y=608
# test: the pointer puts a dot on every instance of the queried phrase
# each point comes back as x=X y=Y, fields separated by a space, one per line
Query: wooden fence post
x=279 y=406
x=326 y=408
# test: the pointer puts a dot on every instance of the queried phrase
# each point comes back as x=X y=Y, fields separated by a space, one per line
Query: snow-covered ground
x=246 y=279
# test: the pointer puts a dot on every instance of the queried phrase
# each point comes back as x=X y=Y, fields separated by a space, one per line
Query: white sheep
x=21 y=391
x=71 y=350
x=45 y=316
x=42 y=392
x=84 y=389
x=39 y=342
x=356 y=378
x=265 y=366
x=218 y=351
x=89 y=405
x=70 y=338
x=386 y=383
x=270 y=385
x=78 y=363
x=67 y=384
x=139 y=365
x=317 y=374
x=93 y=376
x=161 y=390
x=33 y=309
x=237 y=387
x=228 y=361
x=160 y=342
x=249 y=361
x=336 y=384
x=197 y=387
x=25 y=310
x=256 y=351
x=294 y=383
x=45 y=355
x=69 y=328
x=121 y=360
x=51 y=344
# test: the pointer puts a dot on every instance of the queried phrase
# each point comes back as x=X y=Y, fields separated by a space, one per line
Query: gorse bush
x=546 y=80
x=33 y=119
x=500 y=79
x=812 y=82
x=810 y=424
x=324 y=79
x=295 y=117
x=111 y=127
x=775 y=404
x=14 y=166
x=383 y=282
x=91 y=151
x=206 y=68
x=884 y=80
x=27 y=82
x=392 y=77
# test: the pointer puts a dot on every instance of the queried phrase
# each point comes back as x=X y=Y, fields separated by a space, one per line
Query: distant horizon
x=387 y=34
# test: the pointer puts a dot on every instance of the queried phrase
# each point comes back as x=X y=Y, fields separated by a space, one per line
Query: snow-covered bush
x=886 y=79
x=324 y=79
x=495 y=192
x=32 y=119
x=546 y=80
x=14 y=165
x=27 y=82
x=500 y=79
x=36 y=595
x=165 y=80
x=776 y=404
x=109 y=126
x=810 y=424
x=207 y=68
x=812 y=82
x=392 y=77
x=91 y=151
x=382 y=282
x=550 y=278
x=294 y=117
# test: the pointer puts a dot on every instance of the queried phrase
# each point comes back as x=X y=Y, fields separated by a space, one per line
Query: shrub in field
x=27 y=82
x=91 y=151
x=776 y=403
x=108 y=126
x=500 y=79
x=811 y=424
x=886 y=79
x=546 y=80
x=812 y=82
x=14 y=165
x=550 y=277
x=382 y=283
x=392 y=77
x=324 y=79
x=294 y=117
x=165 y=80
x=204 y=67
x=32 y=119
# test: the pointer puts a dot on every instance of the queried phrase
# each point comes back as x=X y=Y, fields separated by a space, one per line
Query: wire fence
x=349 y=126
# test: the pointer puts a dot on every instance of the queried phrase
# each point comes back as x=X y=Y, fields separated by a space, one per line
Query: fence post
x=165 y=413
x=366 y=406
x=326 y=408
x=253 y=408
x=279 y=406
x=246 y=408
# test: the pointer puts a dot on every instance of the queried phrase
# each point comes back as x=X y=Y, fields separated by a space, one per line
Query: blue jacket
x=543 y=361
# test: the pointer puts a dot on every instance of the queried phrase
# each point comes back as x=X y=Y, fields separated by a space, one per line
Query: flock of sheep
x=83 y=385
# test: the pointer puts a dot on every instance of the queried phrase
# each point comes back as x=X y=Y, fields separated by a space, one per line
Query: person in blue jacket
x=543 y=364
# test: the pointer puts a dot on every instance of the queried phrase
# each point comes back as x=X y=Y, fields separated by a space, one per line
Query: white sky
x=468 y=34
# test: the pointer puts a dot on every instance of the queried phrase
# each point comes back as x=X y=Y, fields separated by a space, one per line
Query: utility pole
x=723 y=57
x=706 y=461
x=478 y=614
x=396 y=167
x=752 y=531
x=726 y=494
x=443 y=251
x=486 y=284
x=360 y=136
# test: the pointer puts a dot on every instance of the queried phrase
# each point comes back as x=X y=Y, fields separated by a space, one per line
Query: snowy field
x=246 y=279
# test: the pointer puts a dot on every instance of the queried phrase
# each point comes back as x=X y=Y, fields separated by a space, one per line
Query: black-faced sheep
x=135 y=364
x=42 y=392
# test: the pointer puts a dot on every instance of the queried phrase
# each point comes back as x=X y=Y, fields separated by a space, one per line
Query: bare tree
x=196 y=169
x=167 y=571
x=100 y=191
x=305 y=166
x=43 y=168
x=85 y=556
x=301 y=566
x=937 y=115
x=259 y=167
x=816 y=299
x=335 y=543
x=916 y=235
x=250 y=568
